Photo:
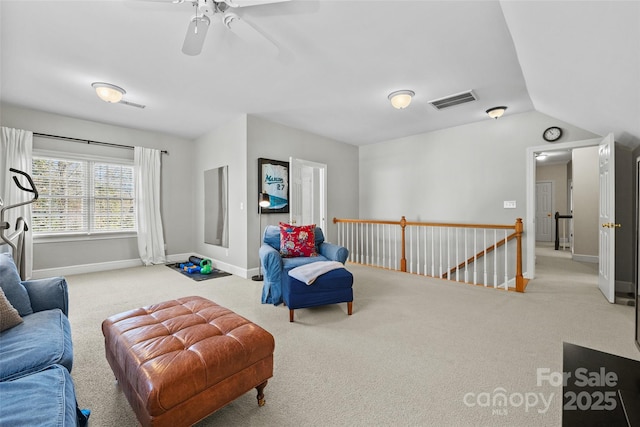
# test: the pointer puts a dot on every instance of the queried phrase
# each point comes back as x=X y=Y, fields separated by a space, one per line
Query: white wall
x=177 y=199
x=460 y=174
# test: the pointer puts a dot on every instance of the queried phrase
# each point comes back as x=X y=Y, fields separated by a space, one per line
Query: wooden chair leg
x=260 y=389
x=350 y=307
x=290 y=315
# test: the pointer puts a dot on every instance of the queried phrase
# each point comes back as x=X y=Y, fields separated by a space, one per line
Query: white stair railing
x=479 y=254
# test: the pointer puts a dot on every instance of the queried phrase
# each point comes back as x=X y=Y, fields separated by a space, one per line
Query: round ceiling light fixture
x=108 y=92
x=496 y=112
x=401 y=99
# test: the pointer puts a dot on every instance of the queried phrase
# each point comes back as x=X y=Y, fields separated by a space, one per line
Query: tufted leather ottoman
x=179 y=361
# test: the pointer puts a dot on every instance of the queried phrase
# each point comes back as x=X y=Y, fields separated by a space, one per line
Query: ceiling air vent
x=451 y=100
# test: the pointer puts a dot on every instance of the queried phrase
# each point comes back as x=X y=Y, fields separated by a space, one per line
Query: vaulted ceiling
x=327 y=66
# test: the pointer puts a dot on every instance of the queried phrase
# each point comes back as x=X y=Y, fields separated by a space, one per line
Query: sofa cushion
x=13 y=289
x=42 y=339
x=9 y=316
x=45 y=398
x=297 y=241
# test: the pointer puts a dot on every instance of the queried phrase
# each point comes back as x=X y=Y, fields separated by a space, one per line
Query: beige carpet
x=410 y=353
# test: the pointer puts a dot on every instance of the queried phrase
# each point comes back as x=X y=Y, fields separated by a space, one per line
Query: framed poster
x=273 y=179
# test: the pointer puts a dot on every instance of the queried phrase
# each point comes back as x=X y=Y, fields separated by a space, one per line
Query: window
x=82 y=196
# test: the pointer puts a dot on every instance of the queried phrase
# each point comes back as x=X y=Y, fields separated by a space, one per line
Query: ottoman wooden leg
x=290 y=315
x=260 y=390
x=350 y=307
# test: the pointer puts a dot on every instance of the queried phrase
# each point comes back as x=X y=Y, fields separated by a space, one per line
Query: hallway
x=557 y=266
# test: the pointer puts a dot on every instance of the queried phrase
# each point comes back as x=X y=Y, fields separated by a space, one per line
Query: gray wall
x=176 y=195
x=556 y=173
x=585 y=202
x=239 y=144
x=226 y=145
x=625 y=208
x=277 y=142
x=461 y=174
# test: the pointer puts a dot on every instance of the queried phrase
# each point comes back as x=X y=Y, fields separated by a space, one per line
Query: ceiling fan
x=207 y=9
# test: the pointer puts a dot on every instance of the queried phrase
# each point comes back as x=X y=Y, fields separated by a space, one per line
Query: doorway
x=606 y=264
x=308 y=193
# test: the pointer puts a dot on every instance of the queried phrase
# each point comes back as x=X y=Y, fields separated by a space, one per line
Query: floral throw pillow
x=297 y=241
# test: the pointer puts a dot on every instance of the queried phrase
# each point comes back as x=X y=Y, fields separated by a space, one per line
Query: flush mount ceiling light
x=496 y=112
x=541 y=156
x=108 y=92
x=401 y=99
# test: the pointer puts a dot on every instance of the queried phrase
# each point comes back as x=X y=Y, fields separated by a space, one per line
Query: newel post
x=520 y=282
x=403 y=260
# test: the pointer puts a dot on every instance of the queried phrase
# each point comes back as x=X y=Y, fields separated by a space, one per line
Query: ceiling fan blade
x=196 y=33
x=245 y=3
x=248 y=33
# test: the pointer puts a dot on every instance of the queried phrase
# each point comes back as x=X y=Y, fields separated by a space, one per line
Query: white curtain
x=147 y=181
x=16 y=149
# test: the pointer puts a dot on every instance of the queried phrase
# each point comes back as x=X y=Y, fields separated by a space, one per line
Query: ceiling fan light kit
x=496 y=112
x=108 y=92
x=401 y=99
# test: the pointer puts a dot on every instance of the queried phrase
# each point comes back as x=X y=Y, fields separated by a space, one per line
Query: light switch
x=241 y=206
x=509 y=204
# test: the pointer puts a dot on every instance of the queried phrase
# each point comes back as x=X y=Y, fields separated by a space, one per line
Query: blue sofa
x=36 y=355
x=275 y=268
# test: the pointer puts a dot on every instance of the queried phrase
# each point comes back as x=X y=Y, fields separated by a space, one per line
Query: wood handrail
x=424 y=224
x=518 y=228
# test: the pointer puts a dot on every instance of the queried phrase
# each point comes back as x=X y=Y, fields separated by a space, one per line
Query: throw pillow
x=9 y=316
x=297 y=241
x=13 y=289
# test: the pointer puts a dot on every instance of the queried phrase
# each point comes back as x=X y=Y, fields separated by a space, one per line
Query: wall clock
x=552 y=134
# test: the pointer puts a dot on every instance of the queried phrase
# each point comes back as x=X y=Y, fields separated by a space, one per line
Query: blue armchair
x=275 y=268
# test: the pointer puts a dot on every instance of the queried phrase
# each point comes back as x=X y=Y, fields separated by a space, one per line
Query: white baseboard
x=85 y=268
x=586 y=258
x=128 y=263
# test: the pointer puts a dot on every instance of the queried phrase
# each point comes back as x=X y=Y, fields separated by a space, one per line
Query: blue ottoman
x=333 y=287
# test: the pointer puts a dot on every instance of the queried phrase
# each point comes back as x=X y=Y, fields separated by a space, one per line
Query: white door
x=607 y=225
x=544 y=211
x=308 y=198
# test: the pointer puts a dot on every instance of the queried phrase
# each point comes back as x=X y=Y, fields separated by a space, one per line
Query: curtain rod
x=88 y=141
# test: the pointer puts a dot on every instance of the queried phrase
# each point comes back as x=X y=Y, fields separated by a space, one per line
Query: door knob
x=611 y=225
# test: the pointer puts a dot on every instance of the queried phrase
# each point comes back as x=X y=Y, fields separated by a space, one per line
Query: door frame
x=530 y=214
x=322 y=197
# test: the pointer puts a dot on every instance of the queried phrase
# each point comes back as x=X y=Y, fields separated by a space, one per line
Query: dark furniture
x=601 y=390
x=333 y=287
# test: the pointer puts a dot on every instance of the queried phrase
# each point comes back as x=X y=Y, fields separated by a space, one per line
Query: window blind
x=82 y=196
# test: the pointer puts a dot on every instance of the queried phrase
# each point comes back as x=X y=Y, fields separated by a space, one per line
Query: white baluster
x=475 y=256
x=495 y=258
x=486 y=278
x=506 y=262
x=410 y=249
x=466 y=258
